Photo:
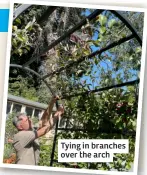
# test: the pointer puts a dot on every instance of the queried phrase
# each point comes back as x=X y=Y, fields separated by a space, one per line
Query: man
x=25 y=141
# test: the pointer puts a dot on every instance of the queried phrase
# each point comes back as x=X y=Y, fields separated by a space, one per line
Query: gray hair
x=16 y=118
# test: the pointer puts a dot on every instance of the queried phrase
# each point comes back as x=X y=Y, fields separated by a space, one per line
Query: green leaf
x=96 y=60
x=131 y=58
x=29 y=25
x=102 y=19
x=96 y=43
x=134 y=123
x=138 y=50
x=111 y=23
x=79 y=71
x=106 y=81
x=18 y=21
x=14 y=42
x=102 y=30
x=28 y=48
x=123 y=35
x=128 y=166
x=15 y=28
x=86 y=52
x=20 y=38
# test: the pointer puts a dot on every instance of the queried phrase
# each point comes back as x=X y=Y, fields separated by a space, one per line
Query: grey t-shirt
x=27 y=147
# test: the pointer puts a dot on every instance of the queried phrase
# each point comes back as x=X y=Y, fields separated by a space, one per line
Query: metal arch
x=33 y=72
x=80 y=24
x=20 y=10
x=76 y=27
x=128 y=24
x=24 y=7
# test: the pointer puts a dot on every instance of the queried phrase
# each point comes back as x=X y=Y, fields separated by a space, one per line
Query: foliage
x=111 y=112
x=10 y=130
x=8 y=150
x=108 y=112
x=21 y=87
x=45 y=153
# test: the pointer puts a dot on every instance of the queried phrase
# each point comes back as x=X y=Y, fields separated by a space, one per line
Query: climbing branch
x=110 y=46
x=65 y=35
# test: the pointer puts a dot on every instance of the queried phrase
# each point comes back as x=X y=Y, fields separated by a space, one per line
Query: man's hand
x=10 y=140
x=56 y=116
x=55 y=98
x=59 y=112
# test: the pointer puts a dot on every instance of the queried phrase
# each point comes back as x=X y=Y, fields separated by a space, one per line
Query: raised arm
x=47 y=120
x=47 y=113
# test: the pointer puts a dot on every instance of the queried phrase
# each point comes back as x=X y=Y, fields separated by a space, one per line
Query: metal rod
x=128 y=24
x=98 y=131
x=46 y=14
x=110 y=46
x=65 y=96
x=22 y=8
x=33 y=72
x=54 y=144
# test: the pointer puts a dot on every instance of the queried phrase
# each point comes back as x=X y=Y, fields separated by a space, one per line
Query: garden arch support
x=24 y=7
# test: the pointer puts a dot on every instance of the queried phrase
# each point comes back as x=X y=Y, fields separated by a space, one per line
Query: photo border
x=141 y=86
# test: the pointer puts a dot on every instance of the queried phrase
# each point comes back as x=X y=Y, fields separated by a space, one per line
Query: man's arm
x=42 y=131
x=47 y=113
x=52 y=120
